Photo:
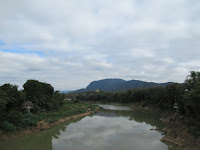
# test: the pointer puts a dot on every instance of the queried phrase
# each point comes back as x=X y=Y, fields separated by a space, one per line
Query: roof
x=28 y=103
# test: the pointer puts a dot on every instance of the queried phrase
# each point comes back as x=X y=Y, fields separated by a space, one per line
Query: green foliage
x=10 y=98
x=36 y=109
x=186 y=95
x=56 y=100
x=192 y=100
x=16 y=121
x=39 y=93
x=76 y=101
x=3 y=102
x=192 y=96
x=29 y=120
x=193 y=80
x=14 y=116
x=68 y=109
x=43 y=97
x=7 y=126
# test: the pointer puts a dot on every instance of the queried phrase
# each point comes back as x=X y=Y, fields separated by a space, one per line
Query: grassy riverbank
x=68 y=109
x=45 y=120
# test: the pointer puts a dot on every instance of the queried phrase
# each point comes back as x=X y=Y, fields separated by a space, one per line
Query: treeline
x=42 y=95
x=186 y=95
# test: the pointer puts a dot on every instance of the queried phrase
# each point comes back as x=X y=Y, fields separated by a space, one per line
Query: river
x=113 y=128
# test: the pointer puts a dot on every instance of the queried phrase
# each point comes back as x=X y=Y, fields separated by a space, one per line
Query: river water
x=113 y=128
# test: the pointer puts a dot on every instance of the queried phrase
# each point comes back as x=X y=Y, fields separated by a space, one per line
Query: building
x=28 y=105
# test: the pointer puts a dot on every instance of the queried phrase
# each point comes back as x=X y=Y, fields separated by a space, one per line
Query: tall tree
x=38 y=92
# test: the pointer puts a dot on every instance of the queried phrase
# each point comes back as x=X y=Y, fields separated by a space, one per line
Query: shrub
x=14 y=116
x=7 y=126
x=29 y=120
x=76 y=101
x=36 y=108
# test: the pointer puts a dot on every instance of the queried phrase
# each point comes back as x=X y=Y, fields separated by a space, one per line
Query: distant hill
x=113 y=85
x=65 y=92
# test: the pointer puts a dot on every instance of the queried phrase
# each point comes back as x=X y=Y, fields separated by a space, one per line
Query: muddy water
x=113 y=128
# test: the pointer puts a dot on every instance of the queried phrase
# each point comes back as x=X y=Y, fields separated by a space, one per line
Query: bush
x=7 y=126
x=14 y=116
x=36 y=108
x=29 y=120
x=76 y=101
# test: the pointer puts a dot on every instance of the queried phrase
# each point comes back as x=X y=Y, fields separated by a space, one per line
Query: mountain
x=105 y=85
x=65 y=92
x=113 y=85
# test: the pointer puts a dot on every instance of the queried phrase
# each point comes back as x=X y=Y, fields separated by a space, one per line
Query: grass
x=19 y=121
x=68 y=109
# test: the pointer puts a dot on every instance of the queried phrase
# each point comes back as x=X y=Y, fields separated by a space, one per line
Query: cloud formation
x=107 y=133
x=71 y=43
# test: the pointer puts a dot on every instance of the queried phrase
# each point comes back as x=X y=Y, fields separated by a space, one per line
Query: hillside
x=113 y=85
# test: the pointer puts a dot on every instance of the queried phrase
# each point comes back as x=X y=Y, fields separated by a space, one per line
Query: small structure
x=175 y=106
x=97 y=91
x=28 y=105
x=67 y=99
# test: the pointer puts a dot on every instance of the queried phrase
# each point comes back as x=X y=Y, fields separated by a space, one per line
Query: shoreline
x=176 y=128
x=43 y=125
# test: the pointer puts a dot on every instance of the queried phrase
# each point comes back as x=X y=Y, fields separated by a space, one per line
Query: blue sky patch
x=23 y=51
x=2 y=43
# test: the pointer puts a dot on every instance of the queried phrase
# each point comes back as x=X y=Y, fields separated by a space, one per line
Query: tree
x=10 y=97
x=57 y=100
x=3 y=102
x=192 y=96
x=193 y=80
x=39 y=93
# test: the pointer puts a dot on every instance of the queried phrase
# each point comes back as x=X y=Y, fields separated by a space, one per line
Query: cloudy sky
x=69 y=43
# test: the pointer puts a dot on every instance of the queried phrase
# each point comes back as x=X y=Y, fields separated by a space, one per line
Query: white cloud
x=76 y=42
x=109 y=133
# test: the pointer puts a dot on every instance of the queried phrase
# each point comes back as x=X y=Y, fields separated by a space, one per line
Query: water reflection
x=38 y=141
x=100 y=132
x=108 y=129
x=114 y=107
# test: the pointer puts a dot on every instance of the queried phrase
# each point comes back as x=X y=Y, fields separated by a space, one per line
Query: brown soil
x=42 y=125
x=176 y=129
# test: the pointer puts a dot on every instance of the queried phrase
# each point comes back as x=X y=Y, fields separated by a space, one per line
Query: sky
x=69 y=43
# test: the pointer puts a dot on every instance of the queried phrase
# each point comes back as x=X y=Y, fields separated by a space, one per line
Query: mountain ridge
x=116 y=84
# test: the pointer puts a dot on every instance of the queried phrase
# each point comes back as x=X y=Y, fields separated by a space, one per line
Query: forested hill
x=113 y=85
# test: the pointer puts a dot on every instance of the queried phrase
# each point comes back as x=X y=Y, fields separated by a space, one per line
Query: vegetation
x=186 y=95
x=51 y=105
x=69 y=108
x=48 y=104
x=43 y=95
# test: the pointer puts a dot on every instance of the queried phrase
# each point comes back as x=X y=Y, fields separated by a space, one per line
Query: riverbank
x=52 y=120
x=183 y=131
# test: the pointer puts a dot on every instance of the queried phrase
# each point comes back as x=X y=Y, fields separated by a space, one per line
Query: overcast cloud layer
x=69 y=43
